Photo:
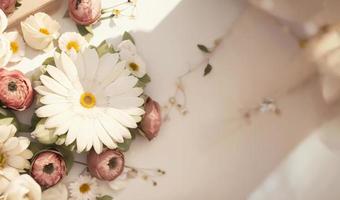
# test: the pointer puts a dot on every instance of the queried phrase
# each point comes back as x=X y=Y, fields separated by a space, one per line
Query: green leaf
x=104 y=48
x=125 y=146
x=49 y=61
x=128 y=36
x=85 y=31
x=142 y=82
x=36 y=147
x=207 y=69
x=203 y=48
x=106 y=197
x=67 y=155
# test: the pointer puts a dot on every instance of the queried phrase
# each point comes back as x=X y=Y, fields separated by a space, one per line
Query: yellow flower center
x=84 y=188
x=14 y=47
x=73 y=45
x=116 y=12
x=3 y=160
x=88 y=100
x=44 y=31
x=133 y=66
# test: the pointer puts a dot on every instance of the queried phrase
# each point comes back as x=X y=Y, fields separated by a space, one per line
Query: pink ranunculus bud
x=152 y=119
x=15 y=90
x=48 y=168
x=8 y=6
x=107 y=165
x=84 y=12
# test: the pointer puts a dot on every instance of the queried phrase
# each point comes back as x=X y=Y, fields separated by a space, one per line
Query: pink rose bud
x=107 y=165
x=15 y=90
x=84 y=12
x=152 y=119
x=48 y=168
x=8 y=6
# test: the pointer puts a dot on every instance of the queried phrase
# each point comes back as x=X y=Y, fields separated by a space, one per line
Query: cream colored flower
x=40 y=30
x=17 y=46
x=134 y=63
x=84 y=188
x=72 y=43
x=13 y=150
x=44 y=135
x=93 y=95
x=23 y=188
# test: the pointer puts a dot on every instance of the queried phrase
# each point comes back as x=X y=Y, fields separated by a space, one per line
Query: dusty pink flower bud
x=48 y=168
x=84 y=12
x=107 y=165
x=15 y=90
x=8 y=6
x=152 y=119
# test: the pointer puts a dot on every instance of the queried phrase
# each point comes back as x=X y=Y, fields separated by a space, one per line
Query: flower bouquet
x=88 y=101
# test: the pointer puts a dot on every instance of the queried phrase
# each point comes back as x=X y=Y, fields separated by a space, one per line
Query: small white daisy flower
x=17 y=46
x=72 y=43
x=127 y=50
x=136 y=66
x=84 y=188
x=39 y=31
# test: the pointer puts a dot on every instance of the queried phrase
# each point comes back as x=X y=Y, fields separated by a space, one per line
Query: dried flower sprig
x=122 y=9
x=145 y=174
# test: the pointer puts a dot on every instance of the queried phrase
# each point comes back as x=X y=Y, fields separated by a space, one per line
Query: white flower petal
x=103 y=135
x=53 y=85
x=121 y=85
x=3 y=21
x=125 y=102
x=52 y=109
x=59 y=76
x=122 y=117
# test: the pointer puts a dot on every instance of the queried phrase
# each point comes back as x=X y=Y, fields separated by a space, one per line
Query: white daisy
x=84 y=188
x=136 y=65
x=126 y=50
x=17 y=46
x=93 y=101
x=39 y=31
x=72 y=43
x=13 y=150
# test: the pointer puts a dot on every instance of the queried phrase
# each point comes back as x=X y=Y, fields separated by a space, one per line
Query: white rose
x=40 y=30
x=23 y=188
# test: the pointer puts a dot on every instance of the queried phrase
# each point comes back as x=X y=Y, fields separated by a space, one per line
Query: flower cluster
x=89 y=101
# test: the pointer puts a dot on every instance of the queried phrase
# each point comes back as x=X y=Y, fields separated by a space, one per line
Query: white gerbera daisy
x=13 y=150
x=17 y=46
x=93 y=101
x=84 y=188
x=72 y=43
